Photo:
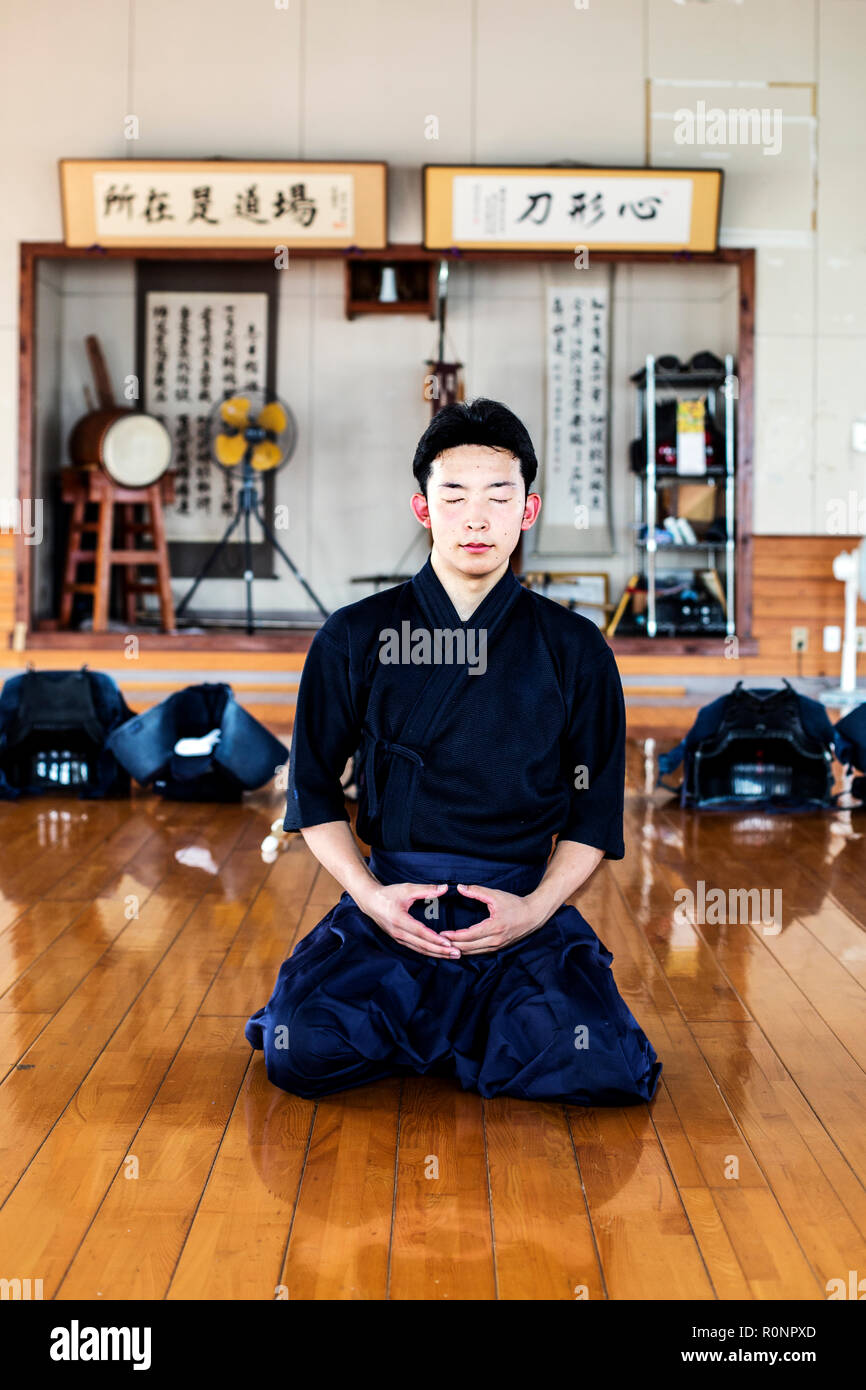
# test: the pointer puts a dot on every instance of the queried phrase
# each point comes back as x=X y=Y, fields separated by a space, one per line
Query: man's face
x=476 y=507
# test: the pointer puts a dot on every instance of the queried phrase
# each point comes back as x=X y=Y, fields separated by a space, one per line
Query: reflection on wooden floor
x=143 y=1153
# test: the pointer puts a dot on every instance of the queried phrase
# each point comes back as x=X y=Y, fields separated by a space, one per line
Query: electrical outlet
x=799 y=639
x=860 y=639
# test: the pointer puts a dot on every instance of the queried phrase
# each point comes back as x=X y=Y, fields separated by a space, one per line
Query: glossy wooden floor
x=136 y=938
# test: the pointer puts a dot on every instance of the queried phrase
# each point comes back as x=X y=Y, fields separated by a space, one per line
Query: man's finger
x=425 y=890
x=473 y=933
x=471 y=890
x=415 y=943
x=411 y=924
x=415 y=946
x=484 y=944
x=419 y=932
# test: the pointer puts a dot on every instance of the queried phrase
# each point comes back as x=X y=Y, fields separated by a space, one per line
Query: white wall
x=532 y=80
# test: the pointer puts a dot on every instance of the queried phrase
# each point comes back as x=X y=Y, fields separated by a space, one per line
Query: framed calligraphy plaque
x=223 y=202
x=528 y=208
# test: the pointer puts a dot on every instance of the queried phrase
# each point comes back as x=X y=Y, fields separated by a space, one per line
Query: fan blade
x=229 y=449
x=266 y=455
x=236 y=411
x=273 y=417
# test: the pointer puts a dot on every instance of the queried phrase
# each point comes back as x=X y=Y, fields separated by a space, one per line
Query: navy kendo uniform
x=465 y=776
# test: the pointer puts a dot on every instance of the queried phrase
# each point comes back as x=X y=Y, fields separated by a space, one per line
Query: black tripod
x=248 y=505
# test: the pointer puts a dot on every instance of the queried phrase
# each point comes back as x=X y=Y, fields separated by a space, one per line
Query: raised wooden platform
x=143 y=1153
x=793 y=586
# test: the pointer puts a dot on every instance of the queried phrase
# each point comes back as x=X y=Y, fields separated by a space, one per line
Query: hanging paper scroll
x=575 y=516
x=198 y=346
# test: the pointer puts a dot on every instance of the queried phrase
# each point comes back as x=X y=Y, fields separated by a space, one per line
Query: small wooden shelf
x=372 y=306
x=415 y=280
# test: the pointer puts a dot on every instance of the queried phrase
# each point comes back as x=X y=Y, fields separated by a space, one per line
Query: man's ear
x=418 y=503
x=530 y=511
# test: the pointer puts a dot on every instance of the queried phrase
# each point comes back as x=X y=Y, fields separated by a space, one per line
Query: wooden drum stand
x=87 y=483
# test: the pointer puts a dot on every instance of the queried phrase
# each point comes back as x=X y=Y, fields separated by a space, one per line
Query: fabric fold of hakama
x=541 y=1019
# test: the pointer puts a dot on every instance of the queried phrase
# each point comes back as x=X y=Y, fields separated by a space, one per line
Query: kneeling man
x=489 y=723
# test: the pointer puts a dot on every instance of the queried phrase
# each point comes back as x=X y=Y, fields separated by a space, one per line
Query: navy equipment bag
x=244 y=756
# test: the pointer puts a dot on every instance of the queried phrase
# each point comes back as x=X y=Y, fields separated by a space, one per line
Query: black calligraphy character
x=201 y=204
x=119 y=201
x=534 y=200
x=298 y=206
x=642 y=208
x=247 y=205
x=157 y=208
x=579 y=207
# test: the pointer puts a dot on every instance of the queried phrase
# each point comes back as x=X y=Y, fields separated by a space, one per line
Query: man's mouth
x=475 y=546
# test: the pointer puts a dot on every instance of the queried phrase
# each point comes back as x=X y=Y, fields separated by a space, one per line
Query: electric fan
x=256 y=434
x=251 y=422
x=850 y=567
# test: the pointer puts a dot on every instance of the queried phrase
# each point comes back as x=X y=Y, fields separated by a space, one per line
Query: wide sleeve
x=326 y=733
x=595 y=755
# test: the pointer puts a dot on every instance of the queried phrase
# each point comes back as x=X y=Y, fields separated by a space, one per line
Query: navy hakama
x=541 y=1019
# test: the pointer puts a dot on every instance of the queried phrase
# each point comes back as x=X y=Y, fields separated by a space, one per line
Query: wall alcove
x=346 y=527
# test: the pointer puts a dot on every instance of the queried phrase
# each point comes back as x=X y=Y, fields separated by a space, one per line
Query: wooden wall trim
x=745 y=440
x=26 y=400
x=727 y=255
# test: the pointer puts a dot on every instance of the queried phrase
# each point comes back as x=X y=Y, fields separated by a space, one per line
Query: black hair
x=481 y=421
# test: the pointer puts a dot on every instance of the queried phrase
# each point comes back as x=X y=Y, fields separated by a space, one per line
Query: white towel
x=194 y=747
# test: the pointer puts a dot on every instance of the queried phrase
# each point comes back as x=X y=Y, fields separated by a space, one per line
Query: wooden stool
x=87 y=483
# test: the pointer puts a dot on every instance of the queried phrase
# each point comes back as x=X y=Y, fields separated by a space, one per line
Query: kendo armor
x=761 y=747
x=54 y=731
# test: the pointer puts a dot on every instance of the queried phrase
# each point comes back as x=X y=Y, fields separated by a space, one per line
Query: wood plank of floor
x=136 y=1237
x=534 y=1167
x=53 y=1205
x=137 y=936
x=237 y=1240
x=442 y=1244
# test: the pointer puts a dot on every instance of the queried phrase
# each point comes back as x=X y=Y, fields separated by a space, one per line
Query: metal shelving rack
x=646 y=483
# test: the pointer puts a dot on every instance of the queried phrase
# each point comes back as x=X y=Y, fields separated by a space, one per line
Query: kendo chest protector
x=766 y=747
